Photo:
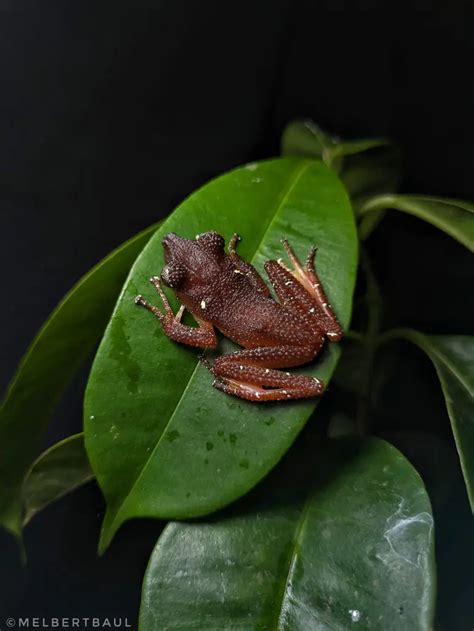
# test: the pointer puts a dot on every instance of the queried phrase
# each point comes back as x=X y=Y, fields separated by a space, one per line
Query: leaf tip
x=109 y=527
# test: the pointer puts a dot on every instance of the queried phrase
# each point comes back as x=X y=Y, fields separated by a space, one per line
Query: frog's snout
x=172 y=246
x=170 y=239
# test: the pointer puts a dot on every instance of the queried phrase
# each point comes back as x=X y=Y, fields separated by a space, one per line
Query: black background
x=112 y=112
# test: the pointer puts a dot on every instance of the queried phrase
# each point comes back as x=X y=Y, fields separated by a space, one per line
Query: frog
x=225 y=292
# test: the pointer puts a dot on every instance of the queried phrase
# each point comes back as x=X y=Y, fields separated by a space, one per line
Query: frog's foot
x=168 y=312
x=310 y=281
x=239 y=374
x=202 y=336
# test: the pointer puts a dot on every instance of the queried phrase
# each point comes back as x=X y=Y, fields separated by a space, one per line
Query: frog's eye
x=173 y=275
x=211 y=241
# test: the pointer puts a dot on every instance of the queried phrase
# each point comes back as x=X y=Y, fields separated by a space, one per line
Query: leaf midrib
x=292 y=560
x=297 y=174
x=296 y=542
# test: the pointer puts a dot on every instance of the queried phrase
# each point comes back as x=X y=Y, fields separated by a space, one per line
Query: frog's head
x=191 y=261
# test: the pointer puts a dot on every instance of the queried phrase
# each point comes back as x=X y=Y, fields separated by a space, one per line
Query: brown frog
x=224 y=291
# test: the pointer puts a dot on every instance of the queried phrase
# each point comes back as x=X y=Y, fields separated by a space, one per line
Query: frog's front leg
x=202 y=336
x=249 y=374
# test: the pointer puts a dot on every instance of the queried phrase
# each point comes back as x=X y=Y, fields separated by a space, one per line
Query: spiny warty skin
x=224 y=291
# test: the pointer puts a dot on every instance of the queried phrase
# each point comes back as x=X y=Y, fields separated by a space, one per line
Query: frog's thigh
x=269 y=356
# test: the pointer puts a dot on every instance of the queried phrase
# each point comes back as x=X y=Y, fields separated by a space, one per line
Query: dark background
x=112 y=112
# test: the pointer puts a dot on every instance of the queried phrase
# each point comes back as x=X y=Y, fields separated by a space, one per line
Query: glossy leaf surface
x=455 y=217
x=60 y=470
x=161 y=440
x=348 y=543
x=62 y=344
x=453 y=358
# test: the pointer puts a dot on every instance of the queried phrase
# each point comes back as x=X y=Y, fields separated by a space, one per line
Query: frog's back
x=252 y=319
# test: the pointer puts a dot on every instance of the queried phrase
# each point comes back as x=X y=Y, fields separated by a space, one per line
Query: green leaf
x=351 y=147
x=306 y=139
x=455 y=217
x=453 y=358
x=62 y=344
x=161 y=440
x=435 y=460
x=59 y=470
x=348 y=545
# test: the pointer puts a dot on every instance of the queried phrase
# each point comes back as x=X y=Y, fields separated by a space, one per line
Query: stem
x=379 y=202
x=369 y=222
x=370 y=341
x=357 y=336
x=395 y=334
x=371 y=212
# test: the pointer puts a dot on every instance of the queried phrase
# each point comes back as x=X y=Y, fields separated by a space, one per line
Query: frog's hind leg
x=249 y=374
x=252 y=392
x=310 y=281
x=292 y=294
